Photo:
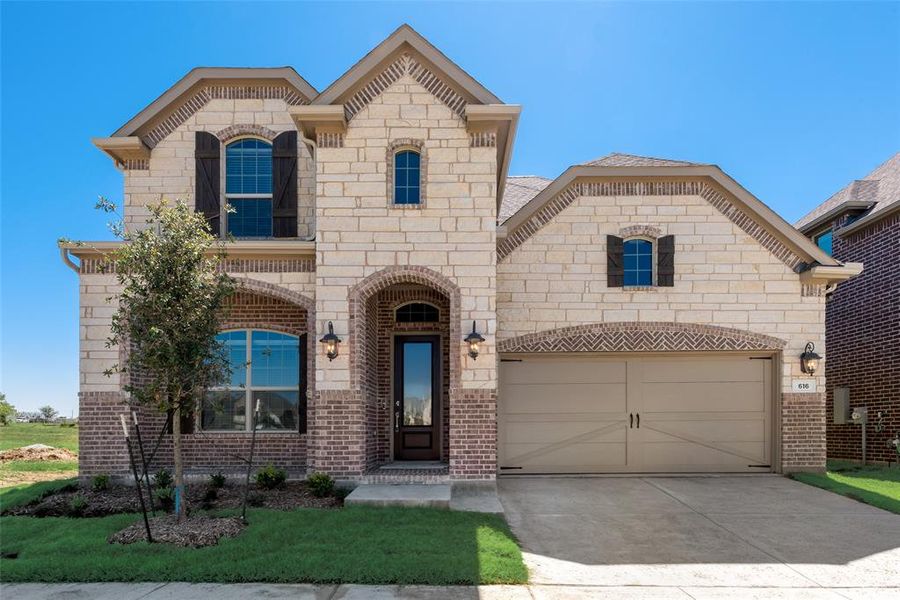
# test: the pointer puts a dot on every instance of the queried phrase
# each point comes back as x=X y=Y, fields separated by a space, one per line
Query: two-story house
x=632 y=315
x=861 y=223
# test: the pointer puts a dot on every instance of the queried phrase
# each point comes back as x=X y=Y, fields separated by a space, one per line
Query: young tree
x=173 y=293
x=48 y=413
x=7 y=411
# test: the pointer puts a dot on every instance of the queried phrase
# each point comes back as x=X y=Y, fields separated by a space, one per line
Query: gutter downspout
x=64 y=254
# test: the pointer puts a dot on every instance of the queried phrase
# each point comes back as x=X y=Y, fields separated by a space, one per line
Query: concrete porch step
x=418 y=495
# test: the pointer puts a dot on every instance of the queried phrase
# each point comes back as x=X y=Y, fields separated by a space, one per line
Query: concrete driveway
x=697 y=534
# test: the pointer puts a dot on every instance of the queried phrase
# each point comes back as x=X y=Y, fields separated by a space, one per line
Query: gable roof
x=618 y=159
x=878 y=193
x=519 y=190
x=529 y=218
x=199 y=75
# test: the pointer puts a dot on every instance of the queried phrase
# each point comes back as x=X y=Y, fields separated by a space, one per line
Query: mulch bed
x=192 y=532
x=123 y=499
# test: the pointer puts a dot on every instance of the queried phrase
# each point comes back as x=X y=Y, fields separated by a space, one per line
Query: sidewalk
x=188 y=591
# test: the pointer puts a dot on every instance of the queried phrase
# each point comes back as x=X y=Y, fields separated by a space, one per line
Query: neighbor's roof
x=520 y=189
x=617 y=159
x=877 y=192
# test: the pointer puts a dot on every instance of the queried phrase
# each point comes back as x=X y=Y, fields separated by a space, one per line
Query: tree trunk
x=179 y=467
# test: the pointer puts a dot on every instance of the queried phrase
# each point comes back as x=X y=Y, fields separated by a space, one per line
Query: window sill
x=418 y=206
x=244 y=432
x=638 y=288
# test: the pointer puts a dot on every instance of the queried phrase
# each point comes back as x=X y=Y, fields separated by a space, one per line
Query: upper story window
x=823 y=241
x=248 y=187
x=407 y=177
x=266 y=366
x=417 y=312
x=637 y=257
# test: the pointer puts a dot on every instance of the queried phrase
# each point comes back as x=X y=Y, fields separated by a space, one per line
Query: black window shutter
x=615 y=272
x=206 y=160
x=284 y=184
x=304 y=372
x=665 y=261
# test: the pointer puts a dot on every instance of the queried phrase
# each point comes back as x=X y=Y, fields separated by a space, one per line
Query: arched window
x=266 y=366
x=407 y=172
x=417 y=312
x=248 y=187
x=638 y=262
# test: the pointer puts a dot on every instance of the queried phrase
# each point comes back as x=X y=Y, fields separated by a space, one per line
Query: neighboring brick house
x=638 y=314
x=861 y=223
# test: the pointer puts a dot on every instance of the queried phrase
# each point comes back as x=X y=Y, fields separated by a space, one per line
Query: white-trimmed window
x=268 y=367
x=248 y=188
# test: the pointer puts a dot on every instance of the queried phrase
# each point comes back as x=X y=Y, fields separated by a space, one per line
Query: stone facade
x=540 y=287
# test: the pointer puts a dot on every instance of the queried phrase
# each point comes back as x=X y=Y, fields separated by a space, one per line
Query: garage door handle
x=639 y=420
x=630 y=420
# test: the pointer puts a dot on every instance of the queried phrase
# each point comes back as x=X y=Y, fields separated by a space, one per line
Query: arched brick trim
x=719 y=199
x=383 y=279
x=647 y=231
x=268 y=289
x=233 y=131
x=640 y=337
x=405 y=64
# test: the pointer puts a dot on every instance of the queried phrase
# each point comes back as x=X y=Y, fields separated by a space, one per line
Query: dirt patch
x=123 y=499
x=12 y=478
x=37 y=452
x=193 y=532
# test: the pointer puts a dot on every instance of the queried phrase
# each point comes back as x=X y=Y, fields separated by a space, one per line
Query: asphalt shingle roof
x=881 y=187
x=617 y=159
x=519 y=190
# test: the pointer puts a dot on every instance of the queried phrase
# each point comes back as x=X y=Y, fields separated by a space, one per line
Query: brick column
x=802 y=432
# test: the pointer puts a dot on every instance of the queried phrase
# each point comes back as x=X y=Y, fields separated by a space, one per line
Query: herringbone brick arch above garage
x=640 y=337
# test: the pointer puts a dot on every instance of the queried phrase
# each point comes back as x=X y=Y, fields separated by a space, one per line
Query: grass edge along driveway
x=872 y=484
x=365 y=545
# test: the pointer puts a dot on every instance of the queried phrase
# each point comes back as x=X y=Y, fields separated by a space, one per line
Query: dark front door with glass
x=416 y=397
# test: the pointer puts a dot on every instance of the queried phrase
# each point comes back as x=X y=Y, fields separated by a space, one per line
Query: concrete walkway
x=200 y=591
x=695 y=533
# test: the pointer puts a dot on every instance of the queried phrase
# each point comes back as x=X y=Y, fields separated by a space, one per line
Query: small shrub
x=271 y=477
x=210 y=494
x=217 y=480
x=77 y=505
x=100 y=483
x=320 y=484
x=163 y=479
x=166 y=498
x=256 y=499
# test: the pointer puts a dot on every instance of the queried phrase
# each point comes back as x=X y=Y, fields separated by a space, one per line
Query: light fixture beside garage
x=809 y=360
x=473 y=340
x=331 y=342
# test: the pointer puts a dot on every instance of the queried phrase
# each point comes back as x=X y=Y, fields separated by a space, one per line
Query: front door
x=417 y=397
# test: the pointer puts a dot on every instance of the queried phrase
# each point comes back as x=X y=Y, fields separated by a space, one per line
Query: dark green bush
x=163 y=479
x=320 y=484
x=270 y=477
x=77 y=505
x=217 y=480
x=166 y=498
x=100 y=482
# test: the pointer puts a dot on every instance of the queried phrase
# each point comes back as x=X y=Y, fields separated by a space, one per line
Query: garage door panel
x=752 y=429
x=565 y=371
x=555 y=432
x=703 y=396
x=709 y=369
x=681 y=456
x=566 y=398
x=571 y=458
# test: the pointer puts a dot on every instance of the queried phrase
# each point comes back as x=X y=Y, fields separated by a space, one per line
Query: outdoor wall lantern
x=473 y=339
x=809 y=360
x=331 y=342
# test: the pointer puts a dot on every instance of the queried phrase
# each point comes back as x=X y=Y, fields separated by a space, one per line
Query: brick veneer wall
x=863 y=335
x=100 y=435
x=802 y=432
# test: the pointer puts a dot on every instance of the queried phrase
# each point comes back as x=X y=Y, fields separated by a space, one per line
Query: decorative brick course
x=802 y=432
x=863 y=340
x=214 y=92
x=329 y=140
x=625 y=187
x=135 y=164
x=640 y=337
x=242 y=129
x=483 y=139
x=648 y=231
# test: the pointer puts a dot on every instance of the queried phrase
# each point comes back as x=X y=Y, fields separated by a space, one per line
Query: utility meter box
x=841 y=405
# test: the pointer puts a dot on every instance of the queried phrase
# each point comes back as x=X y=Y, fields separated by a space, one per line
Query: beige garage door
x=665 y=413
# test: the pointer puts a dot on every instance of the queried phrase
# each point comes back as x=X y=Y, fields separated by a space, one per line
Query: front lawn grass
x=350 y=545
x=16 y=435
x=872 y=484
x=27 y=493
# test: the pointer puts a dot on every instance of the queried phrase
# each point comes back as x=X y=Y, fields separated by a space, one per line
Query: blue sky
x=793 y=100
